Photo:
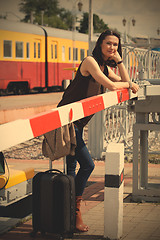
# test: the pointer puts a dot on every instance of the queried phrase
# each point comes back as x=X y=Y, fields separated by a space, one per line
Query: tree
x=98 y=24
x=67 y=18
x=53 y=16
x=56 y=17
x=84 y=23
x=27 y=6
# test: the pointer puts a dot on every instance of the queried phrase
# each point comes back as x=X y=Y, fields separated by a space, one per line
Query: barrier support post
x=113 y=192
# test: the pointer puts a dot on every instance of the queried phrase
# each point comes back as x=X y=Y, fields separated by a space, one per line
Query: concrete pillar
x=113 y=193
x=96 y=130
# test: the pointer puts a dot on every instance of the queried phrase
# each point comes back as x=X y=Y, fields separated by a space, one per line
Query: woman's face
x=109 y=46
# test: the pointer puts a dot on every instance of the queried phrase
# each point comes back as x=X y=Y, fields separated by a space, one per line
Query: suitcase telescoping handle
x=54 y=170
x=64 y=165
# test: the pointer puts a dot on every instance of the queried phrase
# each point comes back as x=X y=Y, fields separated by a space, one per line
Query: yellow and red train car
x=33 y=57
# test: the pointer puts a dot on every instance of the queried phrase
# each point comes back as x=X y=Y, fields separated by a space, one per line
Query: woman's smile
x=109 y=46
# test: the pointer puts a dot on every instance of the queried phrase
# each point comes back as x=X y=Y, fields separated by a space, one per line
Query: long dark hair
x=97 y=53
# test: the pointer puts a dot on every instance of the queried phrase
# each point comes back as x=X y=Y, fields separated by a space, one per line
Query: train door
x=54 y=64
x=38 y=63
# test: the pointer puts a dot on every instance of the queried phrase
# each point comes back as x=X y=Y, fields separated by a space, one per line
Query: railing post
x=149 y=70
x=113 y=194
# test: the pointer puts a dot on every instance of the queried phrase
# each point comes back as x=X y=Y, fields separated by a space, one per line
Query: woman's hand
x=134 y=87
x=116 y=57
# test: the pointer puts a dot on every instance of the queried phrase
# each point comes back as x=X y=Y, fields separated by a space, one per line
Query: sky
x=145 y=12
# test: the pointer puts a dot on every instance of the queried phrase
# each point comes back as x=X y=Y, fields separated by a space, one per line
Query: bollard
x=113 y=192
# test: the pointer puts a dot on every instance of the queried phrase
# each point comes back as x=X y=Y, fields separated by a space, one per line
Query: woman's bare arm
x=90 y=66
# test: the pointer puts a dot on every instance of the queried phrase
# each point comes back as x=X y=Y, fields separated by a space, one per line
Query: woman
x=93 y=76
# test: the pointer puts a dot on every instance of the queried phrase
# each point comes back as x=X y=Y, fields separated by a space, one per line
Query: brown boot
x=80 y=226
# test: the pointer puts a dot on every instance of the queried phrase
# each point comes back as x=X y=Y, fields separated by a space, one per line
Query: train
x=38 y=58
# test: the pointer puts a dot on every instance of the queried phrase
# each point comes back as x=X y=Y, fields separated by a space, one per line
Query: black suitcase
x=53 y=205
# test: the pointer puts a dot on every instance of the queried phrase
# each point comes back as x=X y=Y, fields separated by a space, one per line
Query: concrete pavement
x=140 y=220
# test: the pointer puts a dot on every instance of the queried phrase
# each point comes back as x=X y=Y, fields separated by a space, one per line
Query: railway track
x=32 y=149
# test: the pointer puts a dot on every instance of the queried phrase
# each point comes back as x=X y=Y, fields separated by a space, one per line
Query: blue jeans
x=85 y=161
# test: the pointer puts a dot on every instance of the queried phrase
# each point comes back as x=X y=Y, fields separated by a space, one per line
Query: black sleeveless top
x=80 y=88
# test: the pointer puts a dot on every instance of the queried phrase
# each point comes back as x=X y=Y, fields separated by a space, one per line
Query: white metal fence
x=141 y=63
x=115 y=124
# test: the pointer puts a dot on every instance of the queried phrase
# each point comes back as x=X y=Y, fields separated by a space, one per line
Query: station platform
x=140 y=220
x=25 y=106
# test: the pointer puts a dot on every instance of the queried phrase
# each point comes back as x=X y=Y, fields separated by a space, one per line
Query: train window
x=51 y=51
x=55 y=51
x=34 y=49
x=19 y=49
x=82 y=53
x=75 y=54
x=7 y=46
x=27 y=50
x=39 y=50
x=69 y=53
x=63 y=53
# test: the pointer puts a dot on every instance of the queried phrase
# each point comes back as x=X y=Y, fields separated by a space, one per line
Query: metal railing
x=117 y=121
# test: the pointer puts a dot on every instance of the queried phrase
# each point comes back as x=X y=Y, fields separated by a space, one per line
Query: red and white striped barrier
x=21 y=130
